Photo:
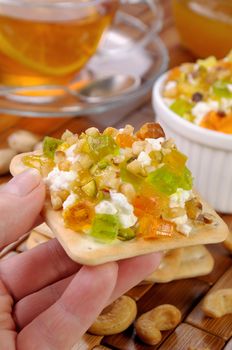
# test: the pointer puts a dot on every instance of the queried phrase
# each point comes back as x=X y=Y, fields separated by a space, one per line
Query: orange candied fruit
x=218 y=121
x=79 y=216
x=146 y=205
x=150 y=130
x=174 y=74
x=151 y=227
x=124 y=140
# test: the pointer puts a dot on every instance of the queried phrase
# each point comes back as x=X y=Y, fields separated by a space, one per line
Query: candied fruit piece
x=39 y=162
x=100 y=146
x=134 y=180
x=166 y=181
x=79 y=215
x=105 y=227
x=125 y=140
x=147 y=205
x=50 y=145
x=175 y=160
x=150 y=227
x=181 y=107
x=150 y=130
x=220 y=89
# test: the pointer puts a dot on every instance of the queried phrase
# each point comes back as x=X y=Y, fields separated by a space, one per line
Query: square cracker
x=85 y=250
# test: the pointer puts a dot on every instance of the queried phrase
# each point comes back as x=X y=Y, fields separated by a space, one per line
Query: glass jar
x=205 y=26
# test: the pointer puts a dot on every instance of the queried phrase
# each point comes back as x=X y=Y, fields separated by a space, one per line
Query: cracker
x=44 y=230
x=85 y=250
x=183 y=263
x=35 y=238
x=195 y=261
x=168 y=267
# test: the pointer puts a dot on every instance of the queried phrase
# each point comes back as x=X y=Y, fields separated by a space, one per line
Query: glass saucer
x=129 y=47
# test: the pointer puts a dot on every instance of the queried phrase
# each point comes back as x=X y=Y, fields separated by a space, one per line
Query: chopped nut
x=128 y=130
x=206 y=218
x=135 y=167
x=59 y=156
x=129 y=191
x=193 y=208
x=92 y=131
x=56 y=201
x=110 y=131
x=66 y=135
x=138 y=147
x=64 y=165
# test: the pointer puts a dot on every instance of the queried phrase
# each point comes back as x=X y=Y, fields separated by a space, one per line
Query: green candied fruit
x=220 y=89
x=166 y=181
x=105 y=227
x=134 y=180
x=50 y=144
x=181 y=107
x=175 y=160
x=126 y=234
x=100 y=146
x=208 y=62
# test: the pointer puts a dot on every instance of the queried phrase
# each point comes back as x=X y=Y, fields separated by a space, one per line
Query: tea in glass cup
x=48 y=42
x=205 y=26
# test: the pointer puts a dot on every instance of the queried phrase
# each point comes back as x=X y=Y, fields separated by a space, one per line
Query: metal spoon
x=101 y=90
x=108 y=88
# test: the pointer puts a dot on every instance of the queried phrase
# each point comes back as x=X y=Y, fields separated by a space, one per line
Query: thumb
x=21 y=200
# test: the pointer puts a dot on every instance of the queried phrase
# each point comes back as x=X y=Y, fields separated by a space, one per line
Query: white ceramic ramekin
x=209 y=152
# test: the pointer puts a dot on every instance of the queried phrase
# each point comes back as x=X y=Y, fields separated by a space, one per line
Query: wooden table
x=195 y=331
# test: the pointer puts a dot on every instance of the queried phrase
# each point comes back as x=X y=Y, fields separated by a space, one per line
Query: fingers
x=34 y=304
x=36 y=268
x=61 y=326
x=134 y=270
x=130 y=273
x=7 y=326
x=21 y=200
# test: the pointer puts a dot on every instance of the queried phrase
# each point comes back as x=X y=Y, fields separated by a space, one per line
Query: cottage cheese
x=182 y=224
x=203 y=108
x=71 y=156
x=144 y=159
x=155 y=143
x=118 y=205
x=179 y=198
x=105 y=207
x=60 y=180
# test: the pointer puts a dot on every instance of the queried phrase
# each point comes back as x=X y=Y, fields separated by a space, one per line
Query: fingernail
x=22 y=184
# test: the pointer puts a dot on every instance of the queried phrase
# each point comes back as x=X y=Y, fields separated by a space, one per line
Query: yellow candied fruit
x=79 y=216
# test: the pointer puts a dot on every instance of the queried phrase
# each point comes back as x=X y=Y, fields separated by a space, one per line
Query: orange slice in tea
x=52 y=48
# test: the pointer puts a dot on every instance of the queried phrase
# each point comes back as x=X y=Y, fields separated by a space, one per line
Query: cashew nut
x=161 y=318
x=218 y=303
x=22 y=141
x=6 y=156
x=116 y=317
x=228 y=242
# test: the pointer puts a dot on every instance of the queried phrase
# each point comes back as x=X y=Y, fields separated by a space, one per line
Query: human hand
x=47 y=301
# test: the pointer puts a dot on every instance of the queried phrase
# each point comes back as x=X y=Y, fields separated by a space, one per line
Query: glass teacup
x=48 y=42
